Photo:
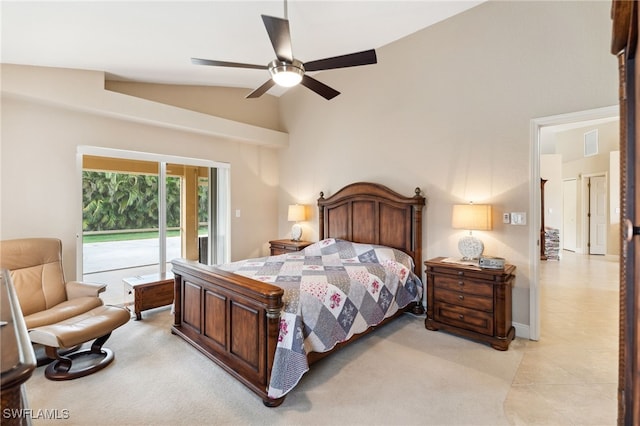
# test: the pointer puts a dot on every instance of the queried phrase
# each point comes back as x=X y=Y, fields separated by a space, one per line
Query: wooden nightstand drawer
x=467 y=300
x=275 y=250
x=470 y=319
x=453 y=270
x=464 y=285
x=287 y=246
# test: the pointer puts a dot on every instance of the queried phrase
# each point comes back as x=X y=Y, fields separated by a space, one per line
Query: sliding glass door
x=142 y=210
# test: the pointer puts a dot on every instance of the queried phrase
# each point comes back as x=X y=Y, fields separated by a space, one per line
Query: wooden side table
x=287 y=246
x=149 y=291
x=470 y=301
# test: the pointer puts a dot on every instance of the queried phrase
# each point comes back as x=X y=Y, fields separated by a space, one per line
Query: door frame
x=536 y=125
x=574 y=212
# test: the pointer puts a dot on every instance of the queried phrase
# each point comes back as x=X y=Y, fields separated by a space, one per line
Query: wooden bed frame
x=234 y=320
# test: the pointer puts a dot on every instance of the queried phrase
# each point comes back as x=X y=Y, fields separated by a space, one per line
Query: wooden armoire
x=624 y=44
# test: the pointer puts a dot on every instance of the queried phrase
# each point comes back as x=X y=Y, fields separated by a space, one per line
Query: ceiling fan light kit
x=287 y=71
x=286 y=74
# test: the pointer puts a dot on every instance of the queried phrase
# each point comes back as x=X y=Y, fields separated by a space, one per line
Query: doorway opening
x=546 y=156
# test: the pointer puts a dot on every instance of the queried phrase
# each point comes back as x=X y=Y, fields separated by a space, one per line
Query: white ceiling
x=154 y=41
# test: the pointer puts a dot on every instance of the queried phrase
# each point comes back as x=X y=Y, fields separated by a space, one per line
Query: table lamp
x=296 y=214
x=474 y=217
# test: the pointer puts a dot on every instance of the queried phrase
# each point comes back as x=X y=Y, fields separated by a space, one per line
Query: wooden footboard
x=235 y=322
x=232 y=319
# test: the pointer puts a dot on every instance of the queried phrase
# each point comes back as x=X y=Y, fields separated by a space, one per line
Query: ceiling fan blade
x=278 y=30
x=318 y=87
x=261 y=90
x=366 y=57
x=198 y=61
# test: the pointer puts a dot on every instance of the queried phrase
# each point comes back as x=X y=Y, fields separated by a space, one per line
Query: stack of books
x=552 y=243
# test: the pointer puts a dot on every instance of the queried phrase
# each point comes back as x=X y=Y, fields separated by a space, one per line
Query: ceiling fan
x=286 y=70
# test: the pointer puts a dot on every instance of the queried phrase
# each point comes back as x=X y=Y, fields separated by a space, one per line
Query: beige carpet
x=401 y=374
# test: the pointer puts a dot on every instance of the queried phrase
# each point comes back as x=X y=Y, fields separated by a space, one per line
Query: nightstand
x=470 y=301
x=287 y=246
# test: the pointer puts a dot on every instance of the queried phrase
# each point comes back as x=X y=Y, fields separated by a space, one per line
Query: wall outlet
x=519 y=218
x=506 y=217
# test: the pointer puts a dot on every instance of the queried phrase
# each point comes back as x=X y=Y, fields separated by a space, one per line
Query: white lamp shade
x=475 y=217
x=296 y=213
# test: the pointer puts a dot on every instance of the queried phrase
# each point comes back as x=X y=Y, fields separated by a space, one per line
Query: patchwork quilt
x=333 y=289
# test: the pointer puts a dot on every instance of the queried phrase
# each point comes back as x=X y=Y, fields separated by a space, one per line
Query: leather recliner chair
x=60 y=315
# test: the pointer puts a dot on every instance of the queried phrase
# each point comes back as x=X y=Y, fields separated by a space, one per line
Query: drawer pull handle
x=460 y=316
x=461 y=297
x=460 y=273
x=460 y=283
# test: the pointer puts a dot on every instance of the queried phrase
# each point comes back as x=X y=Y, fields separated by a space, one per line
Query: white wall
x=551 y=169
x=570 y=143
x=449 y=109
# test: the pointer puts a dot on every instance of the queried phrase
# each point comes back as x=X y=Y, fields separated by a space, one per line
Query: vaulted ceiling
x=154 y=41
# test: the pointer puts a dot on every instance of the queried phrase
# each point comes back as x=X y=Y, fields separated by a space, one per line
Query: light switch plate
x=506 y=218
x=518 y=218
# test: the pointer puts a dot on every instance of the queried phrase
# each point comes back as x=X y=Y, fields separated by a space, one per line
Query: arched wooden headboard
x=371 y=213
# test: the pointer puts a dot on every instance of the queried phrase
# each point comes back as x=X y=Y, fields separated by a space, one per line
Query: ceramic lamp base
x=470 y=247
x=296 y=232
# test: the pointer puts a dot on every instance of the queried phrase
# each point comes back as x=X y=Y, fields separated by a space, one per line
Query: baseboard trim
x=522 y=330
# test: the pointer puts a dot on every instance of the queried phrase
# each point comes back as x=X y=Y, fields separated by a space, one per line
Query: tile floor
x=569 y=376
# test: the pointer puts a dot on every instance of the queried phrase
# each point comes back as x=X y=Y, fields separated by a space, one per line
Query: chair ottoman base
x=58 y=371
x=43 y=359
x=56 y=338
x=78 y=364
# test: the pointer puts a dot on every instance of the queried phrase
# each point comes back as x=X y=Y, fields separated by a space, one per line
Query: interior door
x=598 y=215
x=569 y=214
x=624 y=45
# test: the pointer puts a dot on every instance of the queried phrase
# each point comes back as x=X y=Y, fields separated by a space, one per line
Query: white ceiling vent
x=591 y=143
